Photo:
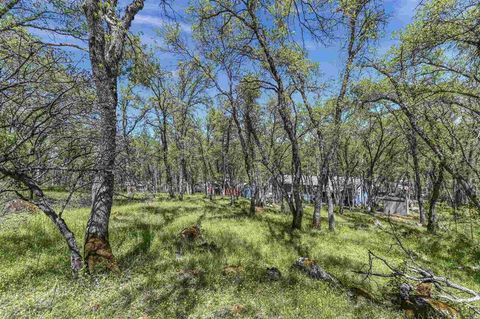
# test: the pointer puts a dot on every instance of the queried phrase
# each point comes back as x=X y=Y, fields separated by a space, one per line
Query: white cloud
x=149 y=20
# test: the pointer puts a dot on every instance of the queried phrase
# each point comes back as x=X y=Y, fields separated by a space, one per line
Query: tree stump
x=418 y=303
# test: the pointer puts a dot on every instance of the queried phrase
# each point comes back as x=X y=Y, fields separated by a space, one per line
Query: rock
x=20 y=206
x=313 y=270
x=273 y=274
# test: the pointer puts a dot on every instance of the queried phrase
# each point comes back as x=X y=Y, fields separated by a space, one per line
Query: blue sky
x=330 y=58
x=150 y=19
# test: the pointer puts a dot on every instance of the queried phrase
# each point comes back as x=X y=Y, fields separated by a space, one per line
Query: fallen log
x=421 y=303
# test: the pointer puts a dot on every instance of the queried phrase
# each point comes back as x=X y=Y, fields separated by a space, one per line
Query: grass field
x=154 y=282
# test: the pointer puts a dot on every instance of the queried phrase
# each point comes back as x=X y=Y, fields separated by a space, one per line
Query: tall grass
x=35 y=280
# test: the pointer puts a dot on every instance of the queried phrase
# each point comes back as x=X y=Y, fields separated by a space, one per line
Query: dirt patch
x=19 y=206
x=233 y=270
x=191 y=233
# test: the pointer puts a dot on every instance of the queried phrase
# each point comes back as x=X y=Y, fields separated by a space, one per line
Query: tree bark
x=331 y=214
x=67 y=234
x=418 y=181
x=96 y=234
x=166 y=162
x=320 y=164
x=317 y=209
x=432 y=214
x=107 y=33
x=182 y=174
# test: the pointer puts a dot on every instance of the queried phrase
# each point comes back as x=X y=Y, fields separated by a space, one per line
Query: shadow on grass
x=37 y=240
x=147 y=234
x=146 y=252
x=455 y=251
x=281 y=232
x=41 y=254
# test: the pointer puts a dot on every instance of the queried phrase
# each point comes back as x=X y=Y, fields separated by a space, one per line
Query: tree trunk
x=283 y=208
x=320 y=165
x=96 y=234
x=247 y=149
x=107 y=34
x=370 y=197
x=75 y=256
x=297 y=210
x=432 y=214
x=331 y=215
x=182 y=174
x=166 y=163
x=418 y=181
x=343 y=193
x=317 y=209
x=349 y=64
x=467 y=187
x=296 y=206
x=251 y=209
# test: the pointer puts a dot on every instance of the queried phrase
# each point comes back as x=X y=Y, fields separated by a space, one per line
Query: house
x=395 y=205
x=353 y=191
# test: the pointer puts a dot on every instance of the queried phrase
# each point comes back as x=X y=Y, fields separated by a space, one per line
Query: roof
x=392 y=199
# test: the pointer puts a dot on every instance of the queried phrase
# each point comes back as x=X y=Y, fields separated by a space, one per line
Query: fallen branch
x=420 y=275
